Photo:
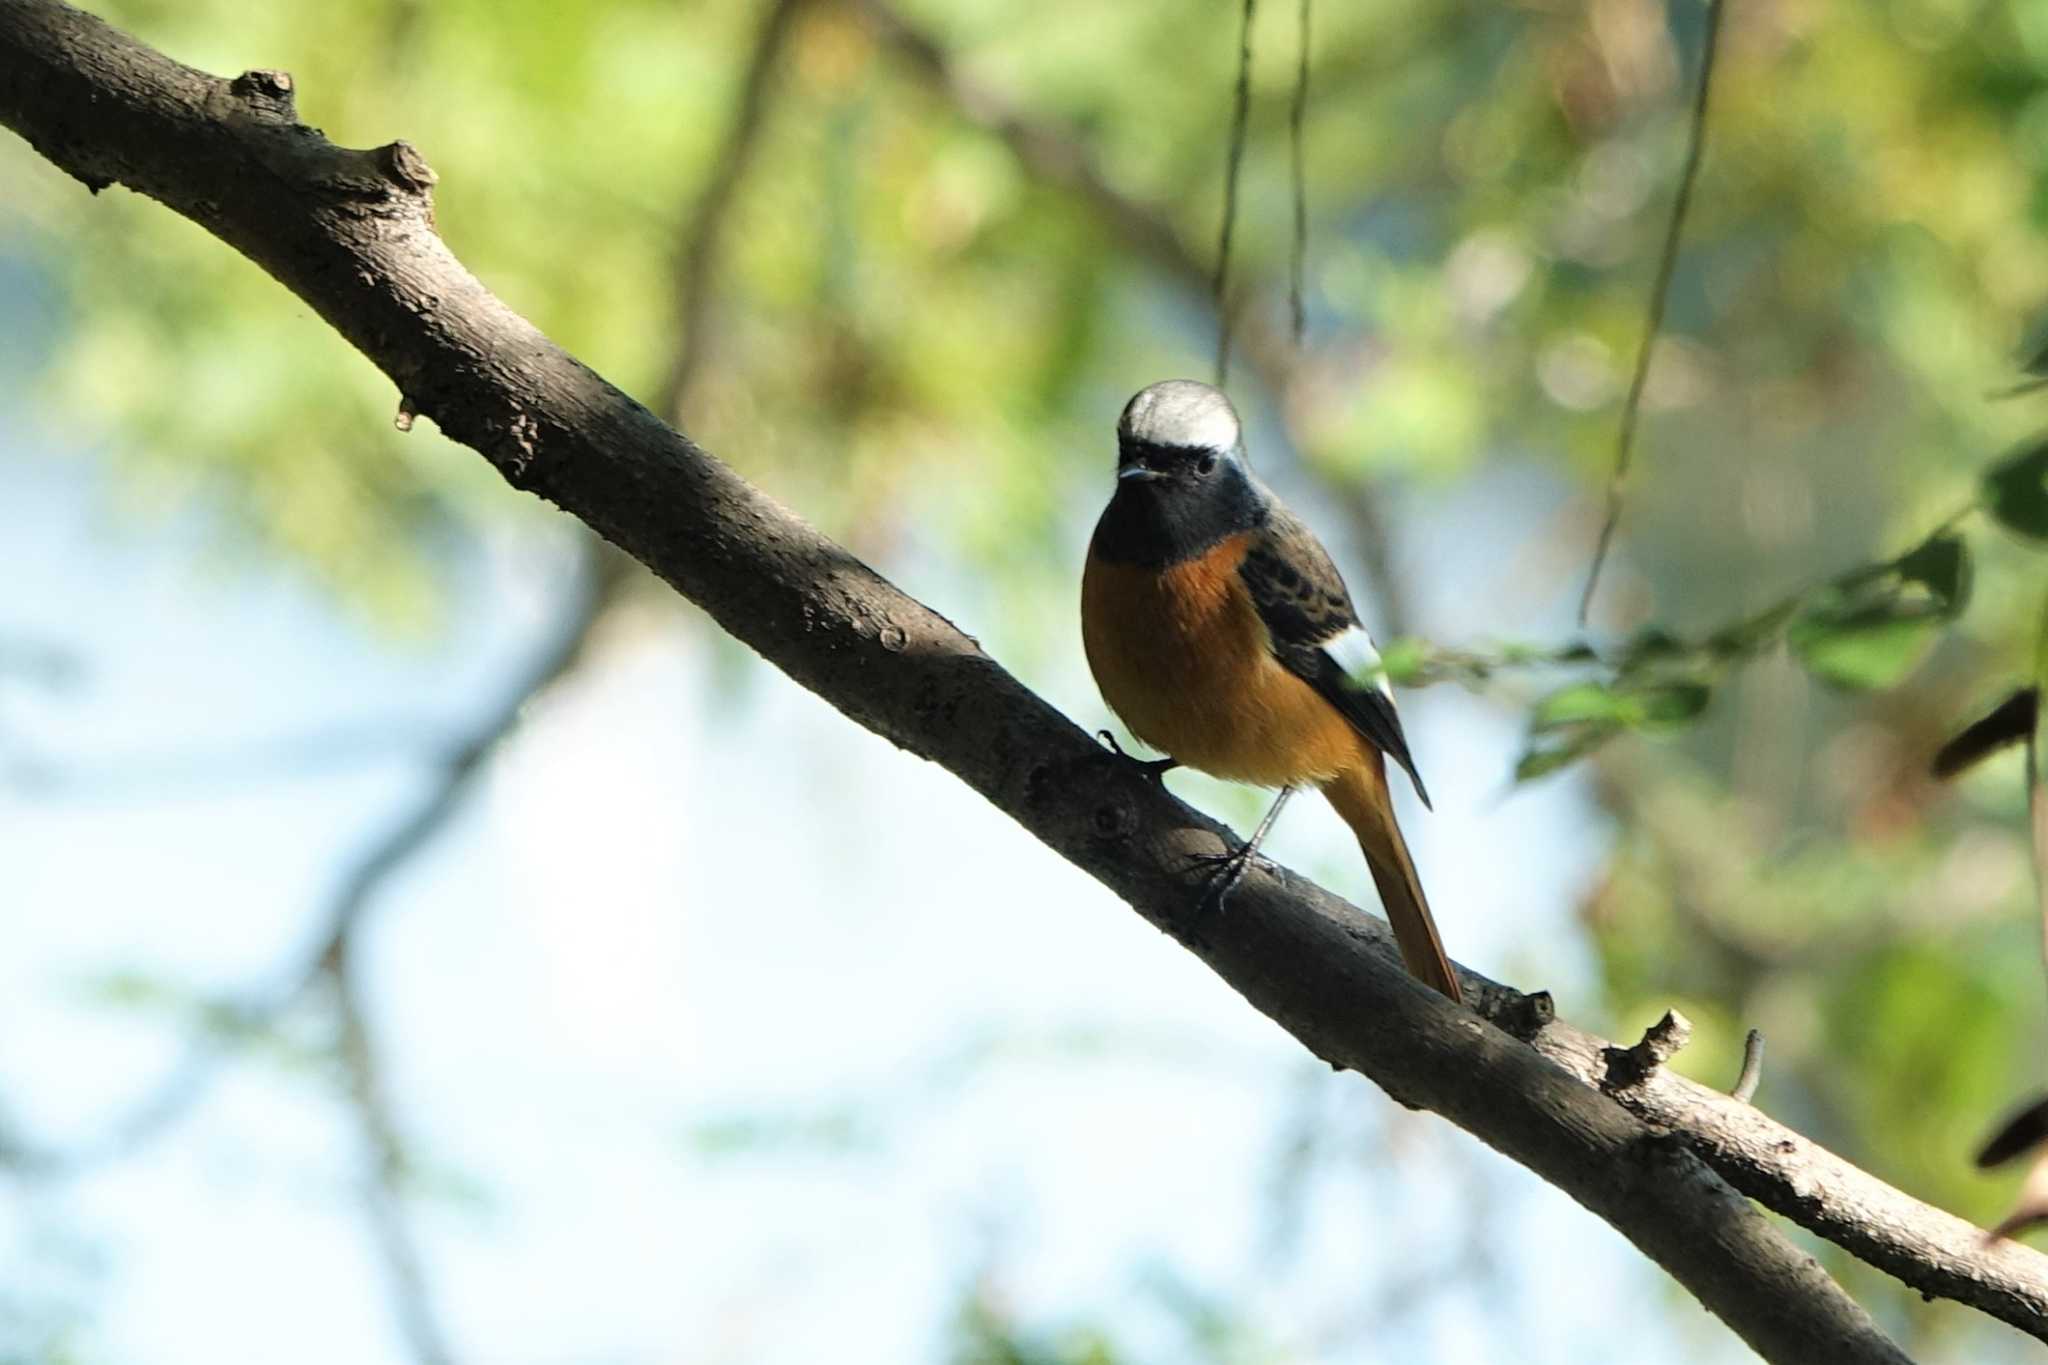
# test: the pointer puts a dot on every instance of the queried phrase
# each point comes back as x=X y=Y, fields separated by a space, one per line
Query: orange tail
x=1361 y=798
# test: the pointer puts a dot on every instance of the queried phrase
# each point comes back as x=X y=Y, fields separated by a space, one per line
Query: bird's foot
x=1220 y=874
x=1226 y=870
x=1151 y=768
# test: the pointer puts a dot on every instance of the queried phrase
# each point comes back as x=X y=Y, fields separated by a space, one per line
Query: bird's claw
x=1152 y=768
x=1221 y=874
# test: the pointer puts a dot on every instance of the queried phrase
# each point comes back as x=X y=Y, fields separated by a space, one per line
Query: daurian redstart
x=1223 y=636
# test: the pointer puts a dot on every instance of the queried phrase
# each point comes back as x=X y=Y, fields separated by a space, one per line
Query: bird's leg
x=1150 y=767
x=1226 y=870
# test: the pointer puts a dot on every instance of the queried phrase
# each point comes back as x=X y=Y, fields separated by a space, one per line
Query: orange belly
x=1181 y=656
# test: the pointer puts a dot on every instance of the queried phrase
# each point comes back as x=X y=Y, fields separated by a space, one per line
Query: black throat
x=1154 y=523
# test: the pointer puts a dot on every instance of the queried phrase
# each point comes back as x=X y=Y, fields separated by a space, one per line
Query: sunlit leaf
x=1573 y=721
x=1578 y=704
x=1625 y=706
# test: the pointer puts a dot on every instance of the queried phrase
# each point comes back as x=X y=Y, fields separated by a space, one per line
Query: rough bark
x=351 y=233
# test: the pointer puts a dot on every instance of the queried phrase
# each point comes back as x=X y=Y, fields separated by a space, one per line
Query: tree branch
x=1925 y=1248
x=350 y=232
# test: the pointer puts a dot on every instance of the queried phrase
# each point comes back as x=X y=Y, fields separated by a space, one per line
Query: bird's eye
x=1207 y=464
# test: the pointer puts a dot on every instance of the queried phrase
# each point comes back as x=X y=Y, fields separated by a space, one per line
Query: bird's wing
x=1316 y=634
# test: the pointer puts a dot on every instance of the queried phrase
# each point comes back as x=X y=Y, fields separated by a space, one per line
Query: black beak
x=1136 y=471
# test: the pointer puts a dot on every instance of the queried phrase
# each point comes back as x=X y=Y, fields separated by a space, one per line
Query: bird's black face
x=1179 y=468
x=1174 y=501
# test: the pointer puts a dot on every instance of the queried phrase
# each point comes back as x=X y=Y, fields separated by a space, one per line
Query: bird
x=1220 y=632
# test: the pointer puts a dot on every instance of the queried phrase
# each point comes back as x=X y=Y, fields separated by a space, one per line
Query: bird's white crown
x=1181 y=412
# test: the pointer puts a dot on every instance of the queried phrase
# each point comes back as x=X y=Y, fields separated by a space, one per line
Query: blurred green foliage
x=920 y=342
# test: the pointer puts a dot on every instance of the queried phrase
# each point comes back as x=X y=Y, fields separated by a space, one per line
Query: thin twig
x=384 y=1157
x=1667 y=262
x=1752 y=1067
x=704 y=233
x=1240 y=119
x=1297 y=117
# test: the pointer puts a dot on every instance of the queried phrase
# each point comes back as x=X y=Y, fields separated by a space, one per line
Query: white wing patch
x=1359 y=657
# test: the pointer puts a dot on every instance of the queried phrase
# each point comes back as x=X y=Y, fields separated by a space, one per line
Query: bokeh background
x=424 y=938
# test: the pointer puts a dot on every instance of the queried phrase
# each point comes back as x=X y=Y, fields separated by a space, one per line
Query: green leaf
x=1872 y=648
x=1873 y=625
x=1542 y=759
x=1403 y=659
x=1630 y=706
x=1573 y=721
x=1672 y=704
x=1577 y=705
x=2015 y=491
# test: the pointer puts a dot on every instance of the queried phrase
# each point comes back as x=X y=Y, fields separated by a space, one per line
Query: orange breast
x=1181 y=655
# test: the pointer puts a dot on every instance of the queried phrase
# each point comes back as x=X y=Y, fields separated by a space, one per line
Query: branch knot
x=1524 y=1016
x=1630 y=1067
x=269 y=90
x=403 y=164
